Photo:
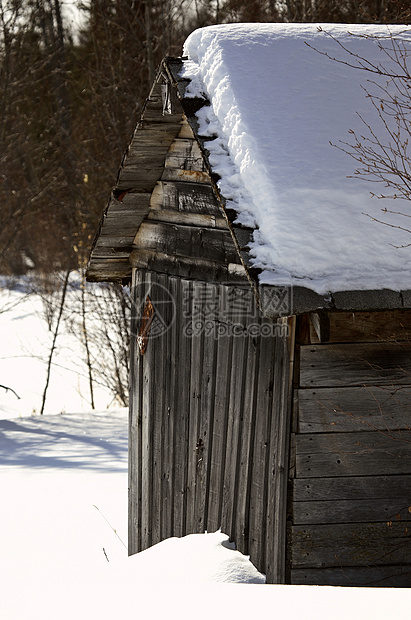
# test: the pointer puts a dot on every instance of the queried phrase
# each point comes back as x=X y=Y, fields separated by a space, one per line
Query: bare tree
x=382 y=150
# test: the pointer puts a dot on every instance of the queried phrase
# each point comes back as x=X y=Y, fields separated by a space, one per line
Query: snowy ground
x=63 y=526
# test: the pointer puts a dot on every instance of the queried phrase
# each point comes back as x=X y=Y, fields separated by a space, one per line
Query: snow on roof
x=276 y=104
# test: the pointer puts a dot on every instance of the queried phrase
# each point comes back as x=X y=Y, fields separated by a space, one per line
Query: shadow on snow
x=65 y=443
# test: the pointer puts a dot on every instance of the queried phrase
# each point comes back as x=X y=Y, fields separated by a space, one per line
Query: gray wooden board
x=111 y=254
x=158 y=339
x=113 y=271
x=242 y=523
x=153 y=114
x=354 y=409
x=148 y=156
x=186 y=241
x=170 y=414
x=182 y=360
x=259 y=480
x=139 y=452
x=186 y=133
x=352 y=511
x=186 y=267
x=168 y=388
x=184 y=196
x=207 y=411
x=147 y=422
x=188 y=219
x=235 y=413
x=224 y=345
x=353 y=454
x=279 y=454
x=369 y=326
x=185 y=154
x=126 y=225
x=190 y=176
x=183 y=407
x=372 y=577
x=117 y=241
x=143 y=180
x=357 y=544
x=342 y=365
x=352 y=488
x=129 y=201
x=134 y=454
x=193 y=294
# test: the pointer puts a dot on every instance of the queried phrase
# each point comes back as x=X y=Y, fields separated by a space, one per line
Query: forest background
x=70 y=97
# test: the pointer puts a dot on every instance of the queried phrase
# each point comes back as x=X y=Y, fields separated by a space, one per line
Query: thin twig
x=10 y=389
x=108 y=522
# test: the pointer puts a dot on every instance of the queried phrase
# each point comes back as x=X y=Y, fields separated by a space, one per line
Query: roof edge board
x=282 y=301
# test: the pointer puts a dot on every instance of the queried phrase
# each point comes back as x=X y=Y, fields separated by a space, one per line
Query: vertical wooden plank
x=258 y=490
x=134 y=449
x=147 y=442
x=186 y=288
x=207 y=407
x=224 y=344
x=235 y=415
x=181 y=362
x=193 y=328
x=279 y=452
x=251 y=364
x=168 y=388
x=172 y=349
x=159 y=296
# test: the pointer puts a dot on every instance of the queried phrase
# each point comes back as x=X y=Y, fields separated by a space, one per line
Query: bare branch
x=9 y=389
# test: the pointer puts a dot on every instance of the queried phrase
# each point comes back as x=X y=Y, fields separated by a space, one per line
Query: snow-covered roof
x=277 y=106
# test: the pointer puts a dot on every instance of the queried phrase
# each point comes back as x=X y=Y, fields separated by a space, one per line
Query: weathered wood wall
x=209 y=425
x=210 y=402
x=350 y=509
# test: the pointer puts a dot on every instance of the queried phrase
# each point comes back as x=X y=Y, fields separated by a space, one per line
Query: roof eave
x=140 y=169
x=282 y=301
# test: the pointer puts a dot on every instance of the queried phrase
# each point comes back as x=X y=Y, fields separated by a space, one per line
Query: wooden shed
x=277 y=414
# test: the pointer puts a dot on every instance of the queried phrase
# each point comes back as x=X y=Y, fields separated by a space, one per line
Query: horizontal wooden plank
x=150 y=133
x=353 y=454
x=154 y=113
x=154 y=131
x=355 y=364
x=185 y=197
x=152 y=154
x=127 y=225
x=111 y=253
x=108 y=270
x=354 y=409
x=352 y=511
x=180 y=174
x=369 y=326
x=185 y=154
x=185 y=267
x=187 y=219
x=130 y=201
x=114 y=241
x=358 y=544
x=372 y=577
x=188 y=241
x=352 y=488
x=138 y=178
